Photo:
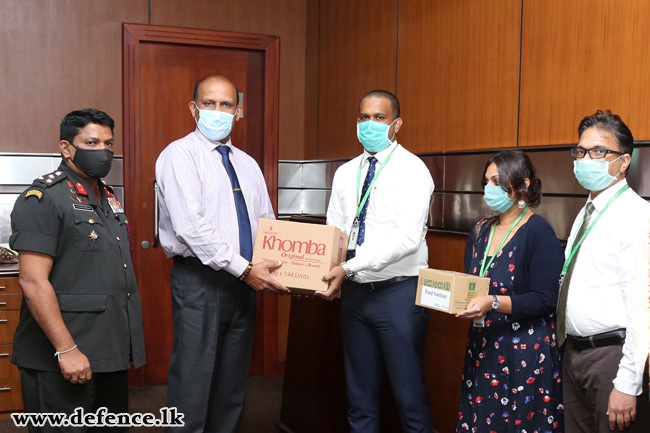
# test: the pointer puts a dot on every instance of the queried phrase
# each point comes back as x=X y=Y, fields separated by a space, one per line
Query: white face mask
x=214 y=124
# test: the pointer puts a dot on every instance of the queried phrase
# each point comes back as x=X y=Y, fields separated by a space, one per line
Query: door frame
x=266 y=327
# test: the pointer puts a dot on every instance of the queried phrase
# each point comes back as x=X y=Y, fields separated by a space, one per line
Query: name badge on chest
x=354 y=234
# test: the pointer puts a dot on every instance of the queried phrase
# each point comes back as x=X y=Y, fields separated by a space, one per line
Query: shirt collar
x=210 y=145
x=381 y=155
x=601 y=201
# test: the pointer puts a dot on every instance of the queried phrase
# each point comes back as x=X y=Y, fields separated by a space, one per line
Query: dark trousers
x=213 y=319
x=588 y=376
x=384 y=328
x=48 y=392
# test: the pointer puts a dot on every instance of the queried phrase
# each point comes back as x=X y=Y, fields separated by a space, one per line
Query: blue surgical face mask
x=374 y=135
x=593 y=174
x=214 y=124
x=497 y=199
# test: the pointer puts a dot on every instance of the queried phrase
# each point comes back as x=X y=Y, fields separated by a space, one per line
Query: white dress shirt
x=610 y=283
x=398 y=207
x=197 y=207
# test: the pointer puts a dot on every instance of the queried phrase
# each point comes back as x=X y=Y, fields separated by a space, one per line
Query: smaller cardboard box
x=307 y=252
x=449 y=291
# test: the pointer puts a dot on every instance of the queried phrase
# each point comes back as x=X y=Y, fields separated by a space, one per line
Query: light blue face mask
x=497 y=199
x=593 y=174
x=214 y=124
x=374 y=135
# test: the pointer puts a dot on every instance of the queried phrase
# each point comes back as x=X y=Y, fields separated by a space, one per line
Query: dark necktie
x=564 y=288
x=245 y=237
x=362 y=216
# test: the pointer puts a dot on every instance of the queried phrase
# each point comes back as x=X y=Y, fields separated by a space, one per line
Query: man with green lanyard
x=381 y=200
x=603 y=310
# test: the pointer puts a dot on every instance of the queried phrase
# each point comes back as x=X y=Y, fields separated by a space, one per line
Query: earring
x=521 y=204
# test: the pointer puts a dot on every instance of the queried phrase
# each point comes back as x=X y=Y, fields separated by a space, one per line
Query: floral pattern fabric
x=512 y=374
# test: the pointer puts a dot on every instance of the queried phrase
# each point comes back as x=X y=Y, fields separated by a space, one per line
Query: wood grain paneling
x=446 y=338
x=357 y=54
x=311 y=78
x=457 y=73
x=579 y=56
x=283 y=18
x=58 y=57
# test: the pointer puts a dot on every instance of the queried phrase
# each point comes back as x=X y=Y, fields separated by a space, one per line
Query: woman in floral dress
x=512 y=375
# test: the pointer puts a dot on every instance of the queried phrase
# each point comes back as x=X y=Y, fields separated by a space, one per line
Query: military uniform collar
x=81 y=187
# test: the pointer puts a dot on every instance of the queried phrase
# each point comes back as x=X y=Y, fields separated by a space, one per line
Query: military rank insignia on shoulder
x=42 y=182
x=50 y=178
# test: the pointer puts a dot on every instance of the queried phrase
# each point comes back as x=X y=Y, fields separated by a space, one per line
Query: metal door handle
x=6 y=388
x=3 y=320
x=2 y=303
x=4 y=355
x=155 y=214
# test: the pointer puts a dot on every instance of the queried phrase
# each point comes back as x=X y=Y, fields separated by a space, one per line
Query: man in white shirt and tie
x=381 y=200
x=603 y=308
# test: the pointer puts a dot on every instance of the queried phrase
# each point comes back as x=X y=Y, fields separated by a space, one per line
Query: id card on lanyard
x=354 y=230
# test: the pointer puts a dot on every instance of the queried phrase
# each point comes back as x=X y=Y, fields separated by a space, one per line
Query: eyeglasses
x=594 y=153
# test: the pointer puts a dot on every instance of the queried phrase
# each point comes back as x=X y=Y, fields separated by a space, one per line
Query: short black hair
x=514 y=168
x=612 y=123
x=198 y=84
x=75 y=120
x=394 y=102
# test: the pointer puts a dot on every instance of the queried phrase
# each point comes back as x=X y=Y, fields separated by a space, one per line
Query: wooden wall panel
x=579 y=56
x=357 y=55
x=58 y=57
x=457 y=73
x=284 y=18
x=446 y=338
x=311 y=78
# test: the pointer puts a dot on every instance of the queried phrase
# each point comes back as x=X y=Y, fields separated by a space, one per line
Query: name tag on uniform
x=84 y=207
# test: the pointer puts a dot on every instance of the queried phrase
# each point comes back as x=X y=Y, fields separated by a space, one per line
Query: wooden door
x=161 y=65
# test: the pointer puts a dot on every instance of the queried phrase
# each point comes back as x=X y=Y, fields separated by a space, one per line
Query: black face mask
x=95 y=163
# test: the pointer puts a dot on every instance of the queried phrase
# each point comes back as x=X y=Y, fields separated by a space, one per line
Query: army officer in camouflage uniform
x=80 y=321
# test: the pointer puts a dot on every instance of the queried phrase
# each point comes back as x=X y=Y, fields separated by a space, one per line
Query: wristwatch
x=495 y=303
x=349 y=273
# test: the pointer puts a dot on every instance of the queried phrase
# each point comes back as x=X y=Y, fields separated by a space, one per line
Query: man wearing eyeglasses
x=603 y=307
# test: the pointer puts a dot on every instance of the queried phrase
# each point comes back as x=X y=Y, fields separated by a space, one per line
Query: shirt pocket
x=82 y=303
x=90 y=234
x=384 y=201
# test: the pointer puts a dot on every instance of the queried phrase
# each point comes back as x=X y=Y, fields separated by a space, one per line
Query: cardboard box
x=449 y=291
x=307 y=252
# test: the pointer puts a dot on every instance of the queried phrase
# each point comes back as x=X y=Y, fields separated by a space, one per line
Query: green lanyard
x=486 y=264
x=574 y=248
x=365 y=197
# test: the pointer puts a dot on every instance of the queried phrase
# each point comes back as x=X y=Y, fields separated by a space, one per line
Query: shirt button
x=91 y=221
x=125 y=266
x=118 y=238
x=128 y=295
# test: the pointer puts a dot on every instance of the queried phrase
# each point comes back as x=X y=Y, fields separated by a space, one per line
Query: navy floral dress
x=512 y=375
